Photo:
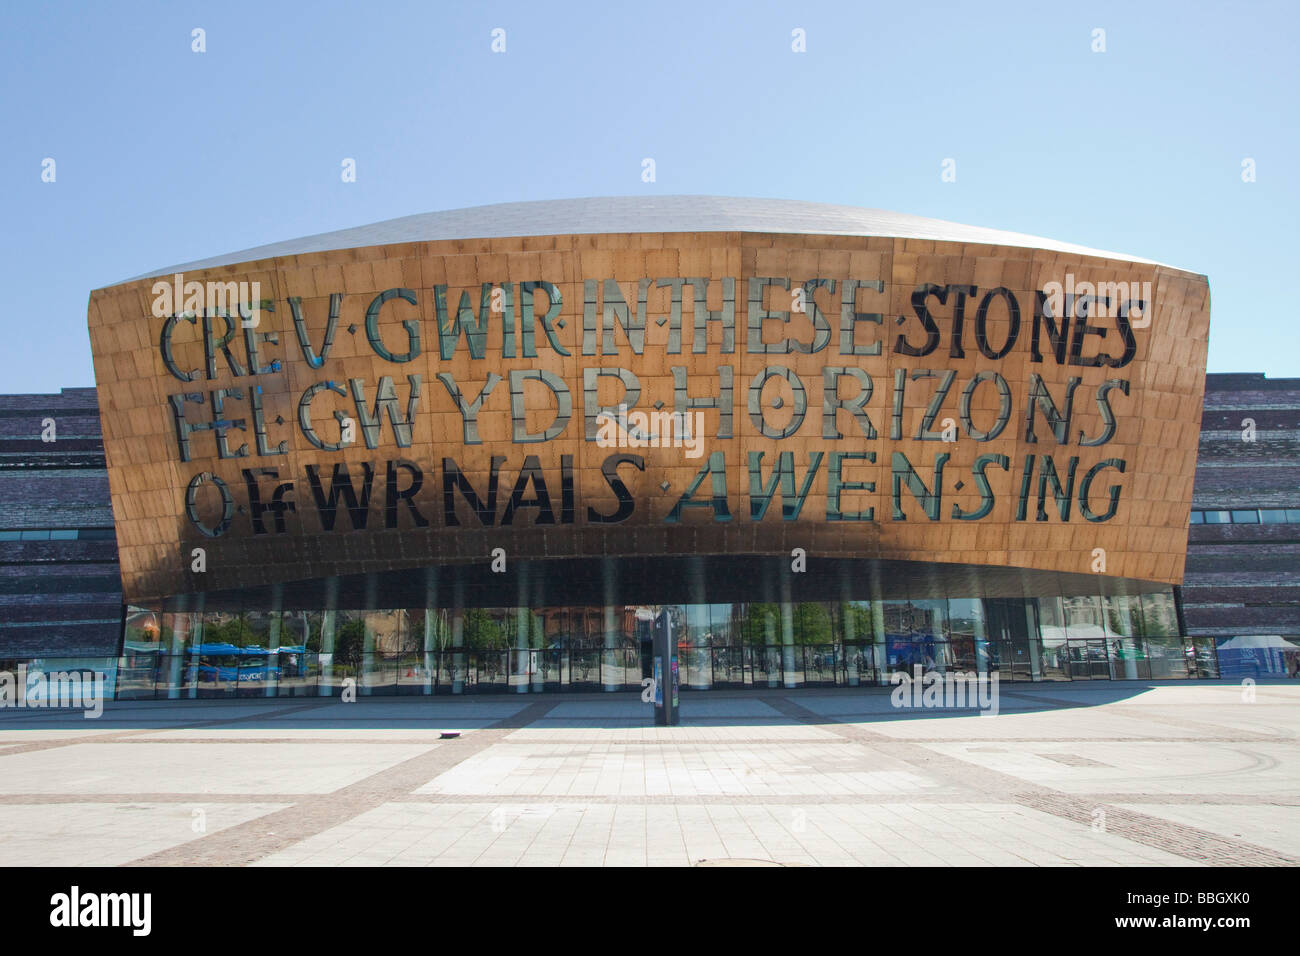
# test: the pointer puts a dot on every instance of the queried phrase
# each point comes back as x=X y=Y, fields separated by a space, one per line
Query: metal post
x=610 y=655
x=665 y=672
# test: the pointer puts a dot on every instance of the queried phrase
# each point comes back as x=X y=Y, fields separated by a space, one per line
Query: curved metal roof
x=623 y=214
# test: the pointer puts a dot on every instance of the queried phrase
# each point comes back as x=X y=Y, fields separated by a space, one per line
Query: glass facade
x=394 y=651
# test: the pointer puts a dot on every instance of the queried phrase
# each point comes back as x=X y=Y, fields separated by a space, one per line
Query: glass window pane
x=1123 y=615
x=483 y=630
x=1272 y=516
x=299 y=641
x=856 y=622
x=1159 y=615
x=967 y=633
x=137 y=670
x=63 y=535
x=720 y=622
x=696 y=631
x=383 y=637
x=1198 y=517
x=10 y=535
x=898 y=635
x=36 y=536
x=761 y=624
x=1293 y=515
x=584 y=627
x=1168 y=657
x=1083 y=616
x=930 y=617
x=1245 y=516
x=693 y=648
x=812 y=623
x=930 y=633
x=1217 y=517
x=257 y=668
x=1051 y=617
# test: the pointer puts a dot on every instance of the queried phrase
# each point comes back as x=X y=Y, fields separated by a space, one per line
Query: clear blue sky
x=164 y=155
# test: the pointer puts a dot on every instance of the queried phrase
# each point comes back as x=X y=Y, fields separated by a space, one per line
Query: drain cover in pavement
x=739 y=861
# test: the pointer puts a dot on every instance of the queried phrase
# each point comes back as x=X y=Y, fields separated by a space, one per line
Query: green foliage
x=483 y=631
x=234 y=631
x=762 y=624
x=350 y=644
x=856 y=620
x=812 y=624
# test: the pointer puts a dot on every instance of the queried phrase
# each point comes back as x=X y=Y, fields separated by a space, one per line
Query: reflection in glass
x=968 y=635
x=930 y=633
x=419 y=651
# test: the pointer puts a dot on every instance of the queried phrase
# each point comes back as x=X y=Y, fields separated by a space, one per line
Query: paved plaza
x=1108 y=774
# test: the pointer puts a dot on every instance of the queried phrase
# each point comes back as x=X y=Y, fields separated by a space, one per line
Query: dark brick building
x=1242 y=583
x=60 y=589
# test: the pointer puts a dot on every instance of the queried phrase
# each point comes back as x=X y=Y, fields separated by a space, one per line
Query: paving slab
x=1108 y=774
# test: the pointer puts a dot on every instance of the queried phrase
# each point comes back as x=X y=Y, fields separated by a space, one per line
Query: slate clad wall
x=57 y=598
x=1245 y=578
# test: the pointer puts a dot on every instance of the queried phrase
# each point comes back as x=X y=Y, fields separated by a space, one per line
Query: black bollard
x=665 y=672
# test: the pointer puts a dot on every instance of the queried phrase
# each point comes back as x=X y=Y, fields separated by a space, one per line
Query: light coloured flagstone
x=111 y=834
x=1074 y=775
x=87 y=768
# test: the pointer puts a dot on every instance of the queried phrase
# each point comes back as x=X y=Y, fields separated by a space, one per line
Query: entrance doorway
x=1012 y=625
x=1088 y=659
